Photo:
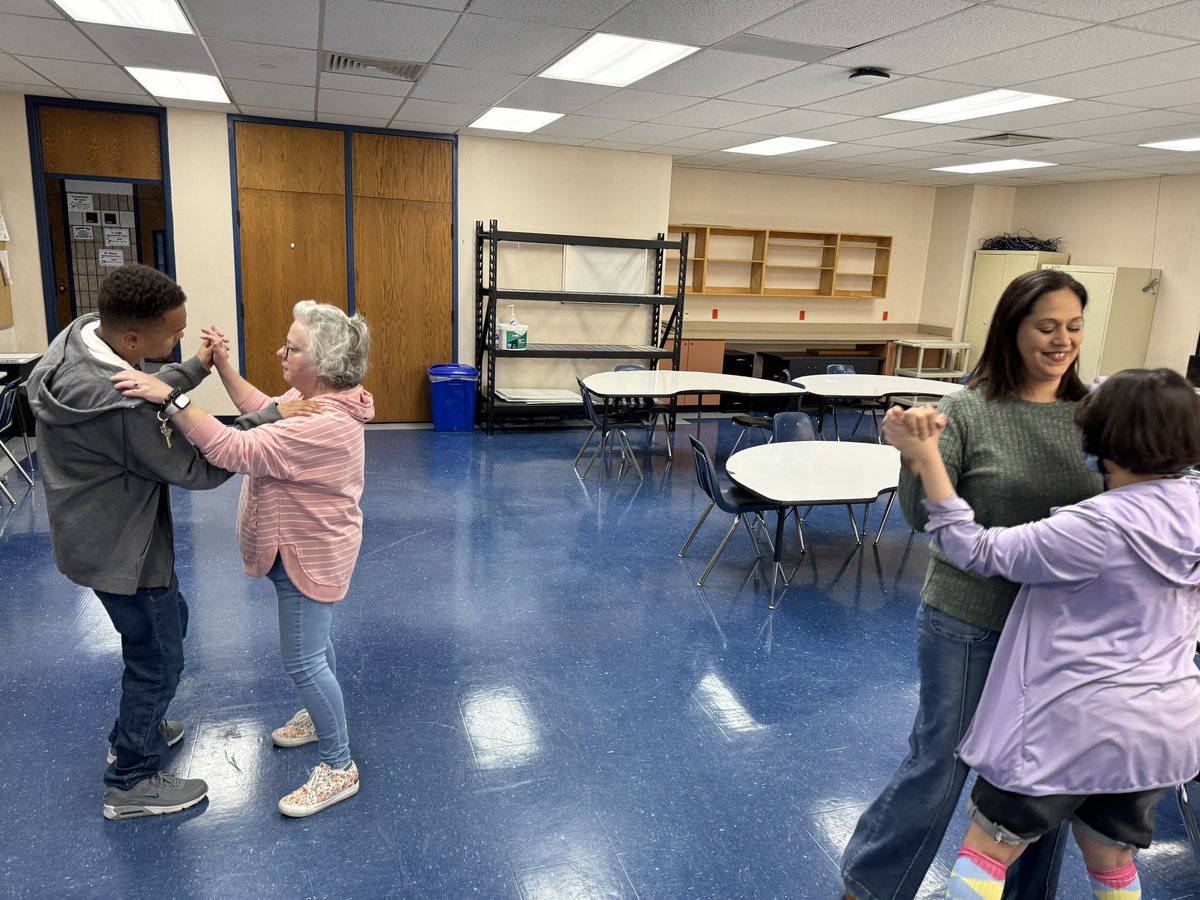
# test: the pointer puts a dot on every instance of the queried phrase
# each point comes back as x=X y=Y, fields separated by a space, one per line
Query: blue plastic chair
x=729 y=498
x=8 y=401
x=607 y=430
x=864 y=406
x=646 y=407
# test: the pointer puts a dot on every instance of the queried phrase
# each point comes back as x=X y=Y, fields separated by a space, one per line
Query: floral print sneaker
x=298 y=731
x=325 y=787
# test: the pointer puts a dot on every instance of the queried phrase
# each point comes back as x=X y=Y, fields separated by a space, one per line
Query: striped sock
x=976 y=876
x=1117 y=884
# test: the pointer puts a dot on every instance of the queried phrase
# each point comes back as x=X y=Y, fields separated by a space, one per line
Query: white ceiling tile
x=399 y=124
x=258 y=62
x=364 y=105
x=1182 y=19
x=455 y=5
x=716 y=114
x=793 y=122
x=923 y=137
x=270 y=112
x=799 y=87
x=52 y=38
x=464 y=85
x=116 y=97
x=893 y=96
x=538 y=137
x=278 y=96
x=207 y=107
x=1127 y=75
x=720 y=71
x=584 y=127
x=695 y=22
x=652 y=133
x=556 y=95
x=345 y=119
x=896 y=157
x=1132 y=124
x=1190 y=110
x=969 y=34
x=13 y=71
x=501 y=45
x=641 y=106
x=152 y=49
x=288 y=23
x=1047 y=119
x=85 y=75
x=1176 y=94
x=1087 y=10
x=585 y=14
x=32 y=8
x=858 y=129
x=1099 y=155
x=365 y=84
x=385 y=30
x=1060 y=55
x=12 y=87
x=848 y=23
x=434 y=113
x=718 y=140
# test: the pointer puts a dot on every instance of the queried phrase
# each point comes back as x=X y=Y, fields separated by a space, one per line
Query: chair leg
x=753 y=538
x=1189 y=820
x=837 y=431
x=741 y=434
x=699 y=522
x=587 y=440
x=854 y=524
x=627 y=448
x=16 y=465
x=799 y=529
x=720 y=549
x=886 y=510
x=4 y=490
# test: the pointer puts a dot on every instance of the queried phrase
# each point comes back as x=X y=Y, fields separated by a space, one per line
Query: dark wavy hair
x=135 y=296
x=1000 y=370
x=1144 y=420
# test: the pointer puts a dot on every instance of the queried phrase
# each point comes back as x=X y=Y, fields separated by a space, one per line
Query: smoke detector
x=869 y=75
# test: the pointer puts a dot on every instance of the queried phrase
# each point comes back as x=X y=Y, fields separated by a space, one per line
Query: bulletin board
x=6 y=309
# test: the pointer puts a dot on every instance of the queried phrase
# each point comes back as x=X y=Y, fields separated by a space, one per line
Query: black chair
x=8 y=401
x=644 y=408
x=757 y=420
x=730 y=498
x=874 y=407
x=607 y=428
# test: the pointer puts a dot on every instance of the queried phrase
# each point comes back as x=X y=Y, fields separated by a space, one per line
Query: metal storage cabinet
x=994 y=269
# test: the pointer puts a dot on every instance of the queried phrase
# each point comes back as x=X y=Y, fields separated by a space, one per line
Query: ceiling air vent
x=1008 y=139
x=373 y=68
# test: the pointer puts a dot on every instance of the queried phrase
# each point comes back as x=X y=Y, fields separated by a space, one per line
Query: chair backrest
x=792 y=426
x=7 y=399
x=629 y=367
x=840 y=369
x=589 y=408
x=706 y=474
x=965 y=378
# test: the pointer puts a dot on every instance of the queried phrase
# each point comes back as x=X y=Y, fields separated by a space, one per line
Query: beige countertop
x=806 y=333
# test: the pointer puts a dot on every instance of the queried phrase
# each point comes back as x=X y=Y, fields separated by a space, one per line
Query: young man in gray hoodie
x=107 y=464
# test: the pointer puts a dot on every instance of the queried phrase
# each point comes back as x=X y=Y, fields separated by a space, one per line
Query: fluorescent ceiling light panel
x=180 y=85
x=1000 y=165
x=152 y=15
x=989 y=103
x=502 y=118
x=1187 y=145
x=776 y=146
x=616 y=60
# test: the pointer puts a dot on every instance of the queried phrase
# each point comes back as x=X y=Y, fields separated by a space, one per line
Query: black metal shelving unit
x=488 y=294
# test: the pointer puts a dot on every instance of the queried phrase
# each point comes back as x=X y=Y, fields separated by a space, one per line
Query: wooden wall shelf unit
x=665 y=332
x=770 y=263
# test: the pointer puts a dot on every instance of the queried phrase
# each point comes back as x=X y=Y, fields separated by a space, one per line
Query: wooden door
x=292 y=233
x=403 y=265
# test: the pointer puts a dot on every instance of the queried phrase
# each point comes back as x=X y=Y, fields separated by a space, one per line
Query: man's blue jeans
x=308 y=657
x=898 y=836
x=152 y=624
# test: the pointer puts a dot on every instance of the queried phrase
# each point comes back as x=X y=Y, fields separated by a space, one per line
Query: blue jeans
x=308 y=657
x=898 y=836
x=152 y=624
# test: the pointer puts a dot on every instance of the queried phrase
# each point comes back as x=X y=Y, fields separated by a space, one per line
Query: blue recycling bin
x=452 y=392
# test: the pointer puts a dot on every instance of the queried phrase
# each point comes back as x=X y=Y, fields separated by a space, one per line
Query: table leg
x=776 y=560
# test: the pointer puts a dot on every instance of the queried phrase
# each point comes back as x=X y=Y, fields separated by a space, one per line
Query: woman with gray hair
x=299 y=522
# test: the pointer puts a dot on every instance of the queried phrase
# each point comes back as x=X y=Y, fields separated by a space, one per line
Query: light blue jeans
x=898 y=836
x=308 y=657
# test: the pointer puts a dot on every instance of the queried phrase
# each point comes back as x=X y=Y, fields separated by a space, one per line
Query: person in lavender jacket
x=1091 y=710
x=299 y=520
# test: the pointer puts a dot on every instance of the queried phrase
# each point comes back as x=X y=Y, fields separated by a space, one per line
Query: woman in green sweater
x=1013 y=452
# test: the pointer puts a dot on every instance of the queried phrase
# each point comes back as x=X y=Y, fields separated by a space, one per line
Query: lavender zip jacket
x=1093 y=688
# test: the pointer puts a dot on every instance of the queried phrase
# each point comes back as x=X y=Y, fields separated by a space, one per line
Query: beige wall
x=16 y=199
x=1145 y=222
x=538 y=187
x=740 y=199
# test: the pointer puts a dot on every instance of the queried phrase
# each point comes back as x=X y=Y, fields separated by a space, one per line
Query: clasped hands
x=914 y=432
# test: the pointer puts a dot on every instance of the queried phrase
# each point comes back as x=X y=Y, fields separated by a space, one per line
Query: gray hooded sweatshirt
x=107 y=468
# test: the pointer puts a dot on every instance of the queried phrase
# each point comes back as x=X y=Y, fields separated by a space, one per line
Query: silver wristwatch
x=178 y=404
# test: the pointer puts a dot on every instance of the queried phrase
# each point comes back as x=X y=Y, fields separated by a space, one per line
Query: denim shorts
x=1121 y=820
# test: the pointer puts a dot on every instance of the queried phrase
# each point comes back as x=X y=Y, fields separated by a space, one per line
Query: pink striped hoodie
x=301 y=499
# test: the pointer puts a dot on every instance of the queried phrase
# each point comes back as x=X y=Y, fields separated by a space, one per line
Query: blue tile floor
x=541 y=701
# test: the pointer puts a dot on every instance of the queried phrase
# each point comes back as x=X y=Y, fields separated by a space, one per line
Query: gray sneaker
x=161 y=793
x=172 y=730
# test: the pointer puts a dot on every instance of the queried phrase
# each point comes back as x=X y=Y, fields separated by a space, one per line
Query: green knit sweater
x=1012 y=460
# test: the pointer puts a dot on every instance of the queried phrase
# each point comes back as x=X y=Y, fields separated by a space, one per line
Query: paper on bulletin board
x=79 y=203
x=81 y=232
x=4 y=269
x=116 y=237
x=112 y=258
x=3 y=228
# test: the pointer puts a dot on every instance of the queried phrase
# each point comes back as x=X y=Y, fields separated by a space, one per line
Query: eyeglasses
x=288 y=349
